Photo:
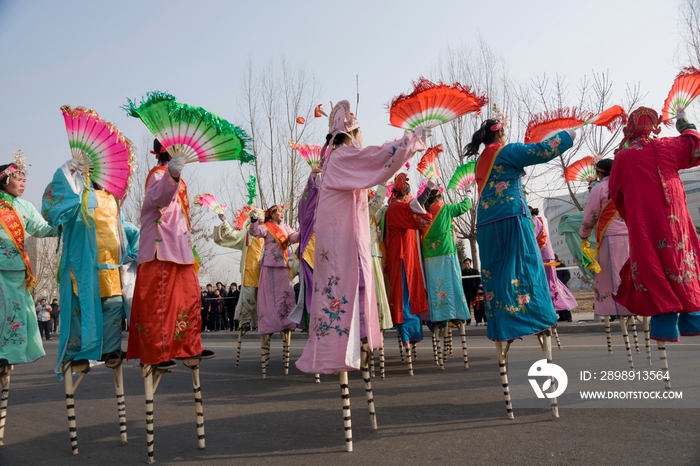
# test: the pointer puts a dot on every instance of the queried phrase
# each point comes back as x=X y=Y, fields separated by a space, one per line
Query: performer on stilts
x=98 y=248
x=517 y=296
x=446 y=298
x=166 y=312
x=376 y=214
x=251 y=248
x=344 y=322
x=612 y=242
x=276 y=298
x=19 y=330
x=660 y=278
x=403 y=219
x=562 y=298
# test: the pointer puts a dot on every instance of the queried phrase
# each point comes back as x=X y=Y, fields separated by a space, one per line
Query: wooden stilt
x=556 y=336
x=448 y=340
x=371 y=364
x=5 y=382
x=441 y=348
x=414 y=353
x=634 y=333
x=502 y=358
x=661 y=346
x=318 y=378
x=647 y=338
x=241 y=332
x=463 y=334
x=364 y=361
x=83 y=367
x=626 y=338
x=121 y=404
x=398 y=335
x=607 y=334
x=382 y=360
x=545 y=340
x=193 y=364
x=264 y=353
x=347 y=417
x=435 y=346
x=409 y=359
x=149 y=389
x=287 y=347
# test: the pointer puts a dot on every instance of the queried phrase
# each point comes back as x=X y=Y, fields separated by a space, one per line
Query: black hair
x=534 y=211
x=604 y=166
x=5 y=181
x=484 y=135
x=209 y=284
x=163 y=157
x=432 y=197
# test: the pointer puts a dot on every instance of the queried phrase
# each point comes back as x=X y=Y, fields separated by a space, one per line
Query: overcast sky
x=96 y=54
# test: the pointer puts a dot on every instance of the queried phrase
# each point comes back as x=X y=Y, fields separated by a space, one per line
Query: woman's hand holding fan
x=685 y=89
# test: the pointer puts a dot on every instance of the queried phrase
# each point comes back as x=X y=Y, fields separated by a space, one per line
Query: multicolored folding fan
x=581 y=170
x=104 y=154
x=685 y=89
x=241 y=217
x=427 y=165
x=431 y=104
x=422 y=185
x=309 y=152
x=210 y=202
x=203 y=136
x=463 y=176
x=547 y=124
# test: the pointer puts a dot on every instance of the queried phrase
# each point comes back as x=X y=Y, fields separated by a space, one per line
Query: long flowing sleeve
x=227 y=237
x=377 y=201
x=350 y=168
x=524 y=155
x=257 y=230
x=591 y=213
x=455 y=210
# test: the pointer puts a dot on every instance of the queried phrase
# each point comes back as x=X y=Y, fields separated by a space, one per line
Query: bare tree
x=274 y=99
x=45 y=260
x=690 y=31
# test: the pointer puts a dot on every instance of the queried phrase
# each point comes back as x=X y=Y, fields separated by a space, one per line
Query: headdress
x=641 y=123
x=503 y=119
x=342 y=119
x=19 y=165
x=400 y=187
x=272 y=210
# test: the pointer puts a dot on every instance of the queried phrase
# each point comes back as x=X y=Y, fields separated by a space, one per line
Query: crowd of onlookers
x=219 y=307
x=48 y=316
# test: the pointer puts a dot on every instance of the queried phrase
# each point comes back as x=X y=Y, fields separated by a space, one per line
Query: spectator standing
x=206 y=307
x=43 y=315
x=215 y=310
x=55 y=315
x=234 y=295
x=470 y=285
x=479 y=307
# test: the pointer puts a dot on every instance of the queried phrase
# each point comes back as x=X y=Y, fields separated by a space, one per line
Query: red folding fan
x=685 y=89
x=428 y=163
x=431 y=104
x=581 y=170
x=547 y=124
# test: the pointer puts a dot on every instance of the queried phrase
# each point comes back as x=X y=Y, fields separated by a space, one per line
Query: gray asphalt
x=455 y=416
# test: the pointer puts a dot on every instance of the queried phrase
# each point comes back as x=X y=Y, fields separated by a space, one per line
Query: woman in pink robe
x=276 y=298
x=613 y=246
x=343 y=303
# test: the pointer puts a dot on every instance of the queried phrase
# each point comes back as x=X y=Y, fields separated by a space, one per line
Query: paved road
x=435 y=417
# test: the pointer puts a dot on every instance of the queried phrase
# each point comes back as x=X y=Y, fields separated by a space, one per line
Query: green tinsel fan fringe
x=252 y=189
x=187 y=114
x=151 y=98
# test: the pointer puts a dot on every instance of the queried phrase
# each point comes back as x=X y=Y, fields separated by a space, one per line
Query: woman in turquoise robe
x=90 y=323
x=515 y=286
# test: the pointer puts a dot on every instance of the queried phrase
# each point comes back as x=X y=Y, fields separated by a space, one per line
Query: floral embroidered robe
x=20 y=340
x=343 y=283
x=613 y=251
x=442 y=272
x=515 y=286
x=662 y=274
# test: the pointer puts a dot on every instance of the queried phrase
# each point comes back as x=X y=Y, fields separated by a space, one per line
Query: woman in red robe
x=661 y=279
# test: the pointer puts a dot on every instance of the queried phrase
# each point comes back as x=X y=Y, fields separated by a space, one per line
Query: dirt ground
x=585 y=301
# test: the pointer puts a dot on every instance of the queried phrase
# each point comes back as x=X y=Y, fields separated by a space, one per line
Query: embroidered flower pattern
x=541 y=151
x=181 y=325
x=330 y=323
x=8 y=249
x=441 y=295
x=286 y=307
x=497 y=190
x=14 y=336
